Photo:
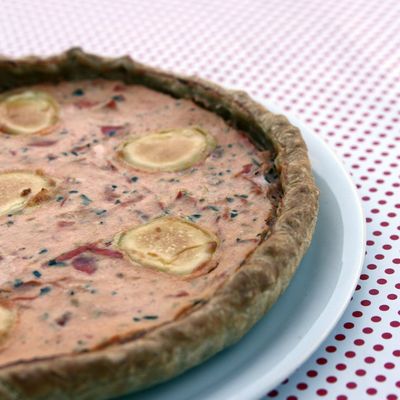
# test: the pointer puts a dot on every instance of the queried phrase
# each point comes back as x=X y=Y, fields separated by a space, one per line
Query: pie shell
x=159 y=354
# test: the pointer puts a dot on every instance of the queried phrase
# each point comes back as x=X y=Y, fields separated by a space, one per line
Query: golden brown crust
x=236 y=306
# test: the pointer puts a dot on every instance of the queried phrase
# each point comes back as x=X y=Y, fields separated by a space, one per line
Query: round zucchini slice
x=27 y=113
x=169 y=244
x=171 y=150
x=19 y=189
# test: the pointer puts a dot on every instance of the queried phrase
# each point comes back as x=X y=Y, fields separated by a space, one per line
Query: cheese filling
x=153 y=202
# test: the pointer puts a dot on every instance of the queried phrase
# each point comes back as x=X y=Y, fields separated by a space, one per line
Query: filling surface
x=67 y=284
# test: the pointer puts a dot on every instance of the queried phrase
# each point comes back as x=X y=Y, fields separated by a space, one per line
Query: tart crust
x=157 y=355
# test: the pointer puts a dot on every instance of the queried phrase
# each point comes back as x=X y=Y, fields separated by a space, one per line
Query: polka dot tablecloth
x=334 y=63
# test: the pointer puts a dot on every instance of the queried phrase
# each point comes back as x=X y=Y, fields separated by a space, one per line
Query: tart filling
x=158 y=202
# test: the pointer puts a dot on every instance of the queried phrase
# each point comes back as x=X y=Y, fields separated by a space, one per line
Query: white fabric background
x=334 y=63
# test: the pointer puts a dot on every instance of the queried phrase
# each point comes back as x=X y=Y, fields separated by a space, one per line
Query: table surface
x=333 y=63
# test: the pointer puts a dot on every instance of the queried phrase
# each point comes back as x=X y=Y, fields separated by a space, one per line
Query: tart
x=147 y=221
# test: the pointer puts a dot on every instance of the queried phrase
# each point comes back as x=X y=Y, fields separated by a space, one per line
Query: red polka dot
x=386 y=335
x=351 y=385
x=380 y=378
x=321 y=361
x=331 y=379
x=341 y=367
x=371 y=391
x=330 y=349
x=378 y=347
x=389 y=271
x=350 y=354
x=348 y=325
x=340 y=337
x=302 y=386
x=389 y=365
x=273 y=393
x=322 y=392
x=369 y=360
x=312 y=373
x=361 y=372
x=341 y=397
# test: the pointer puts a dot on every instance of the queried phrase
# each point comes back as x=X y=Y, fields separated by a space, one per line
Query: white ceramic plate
x=304 y=315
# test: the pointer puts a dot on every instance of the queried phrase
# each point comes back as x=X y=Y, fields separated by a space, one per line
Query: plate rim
x=259 y=387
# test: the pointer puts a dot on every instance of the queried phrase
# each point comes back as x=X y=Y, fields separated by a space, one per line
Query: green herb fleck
x=118 y=97
x=45 y=290
x=193 y=217
x=234 y=213
x=101 y=212
x=78 y=92
x=37 y=274
x=55 y=263
x=18 y=283
x=85 y=200
x=150 y=317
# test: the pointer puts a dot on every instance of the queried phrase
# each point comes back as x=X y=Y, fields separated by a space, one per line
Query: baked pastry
x=148 y=220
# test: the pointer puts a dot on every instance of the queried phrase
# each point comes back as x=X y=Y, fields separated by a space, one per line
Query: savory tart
x=147 y=221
